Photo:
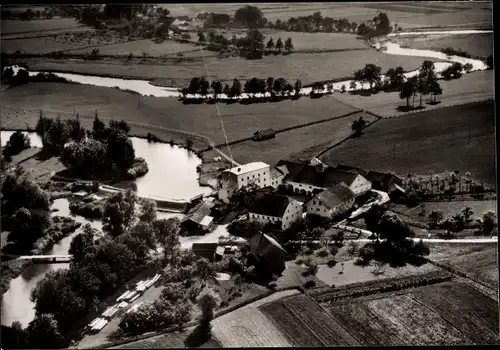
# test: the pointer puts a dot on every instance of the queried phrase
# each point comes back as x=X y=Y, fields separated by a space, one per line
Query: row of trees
x=253 y=86
x=457 y=223
x=378 y=26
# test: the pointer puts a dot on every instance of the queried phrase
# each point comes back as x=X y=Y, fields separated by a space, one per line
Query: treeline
x=104 y=152
x=270 y=89
x=28 y=14
x=23 y=77
x=378 y=26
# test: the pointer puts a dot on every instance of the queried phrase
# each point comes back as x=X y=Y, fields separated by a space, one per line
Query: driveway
x=383 y=198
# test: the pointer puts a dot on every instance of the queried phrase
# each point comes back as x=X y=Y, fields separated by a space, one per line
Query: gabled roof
x=396 y=187
x=275 y=172
x=270 y=204
x=246 y=168
x=337 y=195
x=198 y=213
x=266 y=132
x=349 y=168
x=262 y=243
x=382 y=177
x=312 y=175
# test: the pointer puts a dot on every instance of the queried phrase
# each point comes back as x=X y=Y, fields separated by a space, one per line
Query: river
x=172 y=174
x=145 y=88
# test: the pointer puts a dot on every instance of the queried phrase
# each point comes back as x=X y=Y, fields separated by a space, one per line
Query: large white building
x=275 y=209
x=257 y=173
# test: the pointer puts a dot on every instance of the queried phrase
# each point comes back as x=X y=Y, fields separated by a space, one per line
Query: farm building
x=331 y=202
x=275 y=209
x=208 y=251
x=198 y=219
x=265 y=134
x=349 y=168
x=269 y=253
x=308 y=179
x=396 y=192
x=257 y=173
x=383 y=181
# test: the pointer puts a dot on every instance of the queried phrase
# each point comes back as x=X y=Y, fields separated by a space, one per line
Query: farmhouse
x=257 y=173
x=198 y=219
x=265 y=134
x=349 y=168
x=269 y=253
x=308 y=179
x=275 y=209
x=331 y=202
x=383 y=181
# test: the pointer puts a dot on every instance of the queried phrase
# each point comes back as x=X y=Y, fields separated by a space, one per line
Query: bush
x=322 y=253
x=87 y=210
x=139 y=168
x=331 y=263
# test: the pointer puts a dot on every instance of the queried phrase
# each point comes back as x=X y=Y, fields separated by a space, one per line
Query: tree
x=56 y=137
x=98 y=128
x=167 y=234
x=359 y=76
x=372 y=218
x=270 y=44
x=194 y=85
x=119 y=125
x=371 y=74
x=279 y=45
x=119 y=212
x=120 y=149
x=204 y=86
x=426 y=68
x=435 y=217
x=489 y=223
x=490 y=62
x=17 y=143
x=422 y=87
x=244 y=229
x=251 y=16
x=43 y=332
x=226 y=90
x=288 y=45
x=358 y=125
x=435 y=89
x=269 y=85
x=147 y=212
x=298 y=86
x=76 y=130
x=235 y=88
x=468 y=67
x=217 y=88
x=467 y=213
x=81 y=243
x=201 y=37
x=408 y=90
x=311 y=268
x=352 y=85
x=354 y=26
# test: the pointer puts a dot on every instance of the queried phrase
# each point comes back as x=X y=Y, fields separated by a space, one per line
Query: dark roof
x=383 y=177
x=197 y=213
x=337 y=195
x=264 y=244
x=351 y=168
x=266 y=132
x=311 y=175
x=205 y=250
x=270 y=204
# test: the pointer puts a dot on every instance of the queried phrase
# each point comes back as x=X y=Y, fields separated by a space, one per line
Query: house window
x=314 y=202
x=317 y=209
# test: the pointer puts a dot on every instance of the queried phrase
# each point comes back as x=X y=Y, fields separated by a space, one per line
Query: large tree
x=371 y=74
x=119 y=212
x=251 y=16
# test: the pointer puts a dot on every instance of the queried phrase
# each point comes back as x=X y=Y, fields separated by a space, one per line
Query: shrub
x=331 y=263
x=322 y=253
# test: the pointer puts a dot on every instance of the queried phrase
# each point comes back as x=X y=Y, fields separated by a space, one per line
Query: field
x=305 y=323
x=449 y=209
x=442 y=314
x=480 y=45
x=479 y=261
x=292 y=142
x=441 y=135
x=240 y=121
x=471 y=87
x=249 y=327
x=10 y=26
x=305 y=66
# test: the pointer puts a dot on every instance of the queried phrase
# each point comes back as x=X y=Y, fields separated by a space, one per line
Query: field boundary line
x=438 y=314
x=356 y=342
x=304 y=323
x=42 y=30
x=342 y=141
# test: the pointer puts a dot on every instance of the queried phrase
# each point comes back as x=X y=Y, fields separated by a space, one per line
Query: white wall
x=314 y=206
x=261 y=178
x=360 y=185
x=292 y=213
x=298 y=186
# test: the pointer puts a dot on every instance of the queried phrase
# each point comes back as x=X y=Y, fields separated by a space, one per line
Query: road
x=428 y=240
x=382 y=199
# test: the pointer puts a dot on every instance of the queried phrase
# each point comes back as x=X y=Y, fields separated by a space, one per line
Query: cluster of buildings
x=327 y=191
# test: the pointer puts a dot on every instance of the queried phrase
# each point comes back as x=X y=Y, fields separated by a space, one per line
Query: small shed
x=265 y=134
x=205 y=250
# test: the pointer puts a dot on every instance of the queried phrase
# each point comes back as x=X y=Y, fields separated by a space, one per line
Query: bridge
x=43 y=259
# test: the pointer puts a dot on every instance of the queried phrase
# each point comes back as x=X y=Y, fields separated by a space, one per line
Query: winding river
x=145 y=88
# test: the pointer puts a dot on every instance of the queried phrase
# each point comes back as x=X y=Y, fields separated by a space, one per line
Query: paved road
x=382 y=199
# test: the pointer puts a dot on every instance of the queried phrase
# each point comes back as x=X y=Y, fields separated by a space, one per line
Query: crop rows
x=477 y=314
x=386 y=285
x=326 y=328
